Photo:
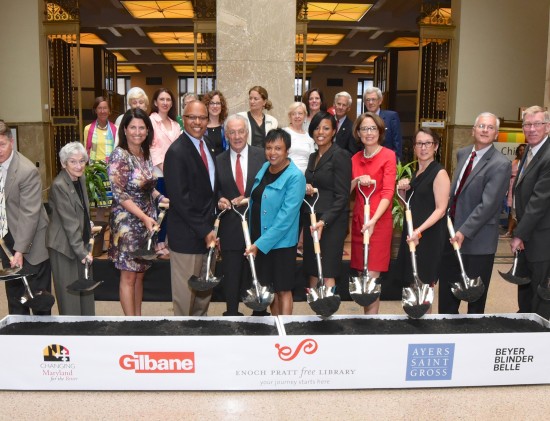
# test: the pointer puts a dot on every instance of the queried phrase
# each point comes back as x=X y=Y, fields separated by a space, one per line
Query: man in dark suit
x=372 y=99
x=24 y=230
x=532 y=207
x=344 y=134
x=232 y=189
x=190 y=177
x=479 y=184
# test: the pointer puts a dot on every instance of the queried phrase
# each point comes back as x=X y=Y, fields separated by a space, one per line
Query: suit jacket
x=532 y=201
x=392 y=138
x=192 y=198
x=27 y=218
x=344 y=137
x=64 y=233
x=478 y=206
x=270 y=123
x=230 y=231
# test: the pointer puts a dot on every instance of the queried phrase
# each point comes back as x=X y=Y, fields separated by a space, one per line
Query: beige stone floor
x=474 y=403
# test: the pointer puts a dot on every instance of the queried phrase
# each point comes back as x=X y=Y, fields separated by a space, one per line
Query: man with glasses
x=237 y=168
x=344 y=129
x=372 y=99
x=190 y=177
x=23 y=223
x=531 y=200
x=480 y=182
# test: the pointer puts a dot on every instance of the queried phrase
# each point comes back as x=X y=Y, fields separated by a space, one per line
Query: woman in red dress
x=374 y=163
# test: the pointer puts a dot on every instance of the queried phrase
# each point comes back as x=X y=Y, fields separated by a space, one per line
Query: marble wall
x=256 y=46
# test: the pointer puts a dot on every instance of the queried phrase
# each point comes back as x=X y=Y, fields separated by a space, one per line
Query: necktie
x=526 y=163
x=467 y=172
x=3 y=219
x=239 y=175
x=203 y=155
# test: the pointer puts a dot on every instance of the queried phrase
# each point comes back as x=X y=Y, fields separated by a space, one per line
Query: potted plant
x=398 y=209
x=98 y=188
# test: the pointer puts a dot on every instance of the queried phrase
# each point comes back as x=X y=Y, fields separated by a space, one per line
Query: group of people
x=252 y=158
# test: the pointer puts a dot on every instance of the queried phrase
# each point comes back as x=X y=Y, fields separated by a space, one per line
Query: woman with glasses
x=69 y=231
x=430 y=188
x=217 y=113
x=372 y=168
x=259 y=123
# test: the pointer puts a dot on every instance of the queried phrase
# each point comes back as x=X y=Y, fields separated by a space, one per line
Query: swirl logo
x=309 y=346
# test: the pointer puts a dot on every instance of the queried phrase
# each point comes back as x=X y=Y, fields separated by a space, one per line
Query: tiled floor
x=479 y=403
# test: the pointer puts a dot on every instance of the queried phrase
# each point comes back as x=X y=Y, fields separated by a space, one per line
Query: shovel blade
x=364 y=290
x=513 y=279
x=9 y=272
x=83 y=285
x=470 y=290
x=416 y=302
x=323 y=300
x=42 y=301
x=258 y=302
x=203 y=284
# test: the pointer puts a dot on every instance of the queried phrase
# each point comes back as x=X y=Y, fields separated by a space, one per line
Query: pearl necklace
x=368 y=156
x=102 y=128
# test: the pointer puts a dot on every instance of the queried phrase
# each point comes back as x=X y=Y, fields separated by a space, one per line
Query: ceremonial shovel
x=207 y=280
x=322 y=299
x=41 y=300
x=417 y=299
x=469 y=290
x=87 y=284
x=148 y=251
x=257 y=298
x=511 y=276
x=364 y=289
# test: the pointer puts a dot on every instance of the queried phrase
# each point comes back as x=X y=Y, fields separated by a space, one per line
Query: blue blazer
x=280 y=211
x=392 y=138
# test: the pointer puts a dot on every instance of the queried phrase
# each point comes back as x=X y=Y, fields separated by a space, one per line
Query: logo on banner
x=57 y=365
x=430 y=362
x=159 y=362
x=309 y=346
x=56 y=353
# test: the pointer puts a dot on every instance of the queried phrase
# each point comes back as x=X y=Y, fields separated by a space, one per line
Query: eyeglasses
x=486 y=126
x=371 y=99
x=74 y=162
x=214 y=103
x=234 y=132
x=196 y=117
x=422 y=145
x=536 y=125
x=368 y=129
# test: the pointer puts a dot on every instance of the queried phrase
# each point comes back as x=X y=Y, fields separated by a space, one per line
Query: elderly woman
x=301 y=143
x=275 y=203
x=100 y=134
x=133 y=210
x=374 y=163
x=69 y=231
x=135 y=98
x=259 y=123
x=217 y=113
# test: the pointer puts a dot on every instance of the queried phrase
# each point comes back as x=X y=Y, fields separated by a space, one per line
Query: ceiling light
x=185 y=55
x=119 y=56
x=159 y=9
x=174 y=37
x=124 y=69
x=320 y=39
x=188 y=68
x=403 y=42
x=371 y=58
x=311 y=57
x=350 y=12
x=85 y=38
x=362 y=71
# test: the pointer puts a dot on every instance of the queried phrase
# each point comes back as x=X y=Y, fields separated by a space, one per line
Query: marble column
x=256 y=46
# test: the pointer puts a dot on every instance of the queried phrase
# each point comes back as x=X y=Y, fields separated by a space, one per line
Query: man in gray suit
x=26 y=222
x=251 y=159
x=479 y=184
x=532 y=207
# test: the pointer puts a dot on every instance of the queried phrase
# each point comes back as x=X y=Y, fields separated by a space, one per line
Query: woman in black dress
x=431 y=187
x=329 y=171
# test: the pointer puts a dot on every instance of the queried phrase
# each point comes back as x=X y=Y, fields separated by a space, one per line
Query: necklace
x=101 y=128
x=368 y=156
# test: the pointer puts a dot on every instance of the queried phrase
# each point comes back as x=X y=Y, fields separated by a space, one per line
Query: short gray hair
x=345 y=95
x=490 y=115
x=534 y=109
x=188 y=95
x=372 y=89
x=234 y=117
x=70 y=149
x=136 y=93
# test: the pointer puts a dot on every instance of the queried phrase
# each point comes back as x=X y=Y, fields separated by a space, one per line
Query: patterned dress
x=131 y=178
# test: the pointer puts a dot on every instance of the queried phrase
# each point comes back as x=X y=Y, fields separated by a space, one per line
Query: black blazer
x=344 y=137
x=532 y=200
x=230 y=231
x=192 y=199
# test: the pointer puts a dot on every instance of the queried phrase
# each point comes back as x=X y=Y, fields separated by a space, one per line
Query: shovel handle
x=315 y=235
x=246 y=234
x=164 y=206
x=366 y=220
x=452 y=233
x=6 y=249
x=408 y=218
x=96 y=229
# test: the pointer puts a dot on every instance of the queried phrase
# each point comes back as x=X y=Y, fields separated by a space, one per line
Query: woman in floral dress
x=133 y=212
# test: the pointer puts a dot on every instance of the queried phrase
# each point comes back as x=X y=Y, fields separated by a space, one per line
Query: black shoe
x=227 y=313
x=261 y=313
